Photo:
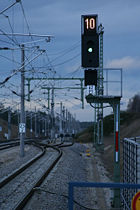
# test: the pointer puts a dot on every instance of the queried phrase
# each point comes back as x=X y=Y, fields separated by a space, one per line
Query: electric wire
x=5 y=34
x=68 y=60
x=9 y=7
x=22 y=8
x=64 y=53
x=6 y=80
x=71 y=74
x=5 y=41
x=67 y=49
x=50 y=62
x=12 y=60
x=18 y=70
x=11 y=28
x=39 y=84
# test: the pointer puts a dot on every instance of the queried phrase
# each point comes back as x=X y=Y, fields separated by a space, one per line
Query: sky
x=62 y=20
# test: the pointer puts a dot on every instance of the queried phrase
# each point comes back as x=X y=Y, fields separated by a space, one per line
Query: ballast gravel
x=13 y=192
x=76 y=164
x=10 y=158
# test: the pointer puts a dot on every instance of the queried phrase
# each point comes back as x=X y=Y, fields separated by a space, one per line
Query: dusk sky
x=62 y=20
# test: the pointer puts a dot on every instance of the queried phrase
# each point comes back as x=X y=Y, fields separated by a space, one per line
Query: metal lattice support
x=100 y=71
x=99 y=91
x=114 y=101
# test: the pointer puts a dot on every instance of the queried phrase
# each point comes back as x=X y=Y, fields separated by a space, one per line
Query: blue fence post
x=70 y=200
x=96 y=185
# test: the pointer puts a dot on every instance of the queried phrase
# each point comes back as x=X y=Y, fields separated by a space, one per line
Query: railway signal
x=90 y=41
x=91 y=77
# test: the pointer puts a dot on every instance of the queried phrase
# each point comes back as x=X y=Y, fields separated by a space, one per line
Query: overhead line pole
x=9 y=123
x=52 y=116
x=22 y=114
x=72 y=88
x=60 y=125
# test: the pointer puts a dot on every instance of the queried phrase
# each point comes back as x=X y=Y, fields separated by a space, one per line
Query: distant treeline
x=85 y=125
x=134 y=104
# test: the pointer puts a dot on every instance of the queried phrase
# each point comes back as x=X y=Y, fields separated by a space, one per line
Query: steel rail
x=11 y=176
x=30 y=192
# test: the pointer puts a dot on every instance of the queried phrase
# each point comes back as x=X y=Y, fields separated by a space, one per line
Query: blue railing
x=96 y=185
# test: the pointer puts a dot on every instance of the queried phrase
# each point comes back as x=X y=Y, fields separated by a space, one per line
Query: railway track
x=6 y=145
x=16 y=172
x=19 y=186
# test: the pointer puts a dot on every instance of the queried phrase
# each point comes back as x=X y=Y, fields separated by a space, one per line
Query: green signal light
x=90 y=50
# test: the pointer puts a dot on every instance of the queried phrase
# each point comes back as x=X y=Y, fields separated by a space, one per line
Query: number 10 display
x=90 y=41
x=90 y=23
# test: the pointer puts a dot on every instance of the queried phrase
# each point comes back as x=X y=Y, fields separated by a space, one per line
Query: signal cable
x=66 y=196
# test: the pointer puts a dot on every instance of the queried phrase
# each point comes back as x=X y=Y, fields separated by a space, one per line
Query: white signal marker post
x=116 y=108
x=117 y=140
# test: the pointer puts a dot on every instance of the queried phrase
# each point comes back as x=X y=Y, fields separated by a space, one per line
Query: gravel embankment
x=74 y=165
x=10 y=159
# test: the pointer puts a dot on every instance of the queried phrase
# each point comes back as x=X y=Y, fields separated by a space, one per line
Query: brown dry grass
x=131 y=128
x=126 y=131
